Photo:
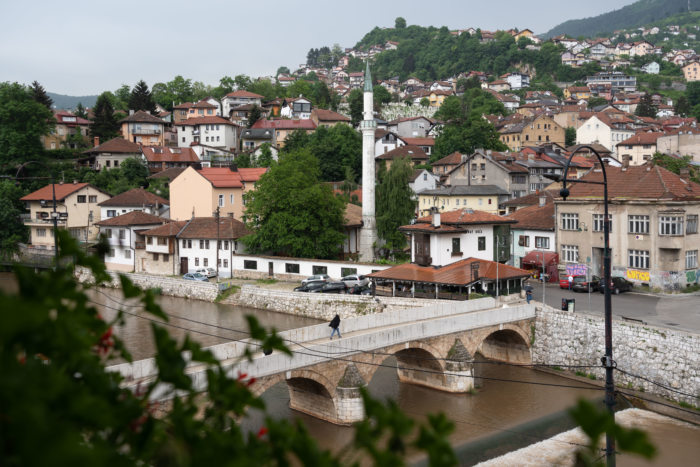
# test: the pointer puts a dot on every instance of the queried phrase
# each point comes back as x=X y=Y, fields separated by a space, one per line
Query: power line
x=634 y=396
x=668 y=388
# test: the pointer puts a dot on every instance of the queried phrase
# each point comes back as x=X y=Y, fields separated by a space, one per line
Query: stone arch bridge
x=434 y=347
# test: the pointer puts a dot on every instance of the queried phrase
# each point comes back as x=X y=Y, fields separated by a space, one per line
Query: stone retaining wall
x=665 y=356
x=175 y=287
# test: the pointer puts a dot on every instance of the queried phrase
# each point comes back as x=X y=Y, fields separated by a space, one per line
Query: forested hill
x=61 y=101
x=637 y=14
x=431 y=53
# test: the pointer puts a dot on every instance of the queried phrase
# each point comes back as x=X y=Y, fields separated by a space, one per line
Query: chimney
x=543 y=200
x=464 y=158
x=436 y=218
x=75 y=182
x=131 y=112
x=685 y=173
x=96 y=141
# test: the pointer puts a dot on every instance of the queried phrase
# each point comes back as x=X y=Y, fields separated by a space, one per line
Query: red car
x=564 y=281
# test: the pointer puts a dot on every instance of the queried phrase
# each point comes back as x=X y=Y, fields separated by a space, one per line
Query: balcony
x=140 y=245
x=147 y=132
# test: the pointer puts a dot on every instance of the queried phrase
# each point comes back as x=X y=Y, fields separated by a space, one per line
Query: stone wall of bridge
x=667 y=357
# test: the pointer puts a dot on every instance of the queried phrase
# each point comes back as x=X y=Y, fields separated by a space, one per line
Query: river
x=498 y=408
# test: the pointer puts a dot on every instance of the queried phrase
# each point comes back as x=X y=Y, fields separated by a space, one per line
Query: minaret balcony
x=370 y=124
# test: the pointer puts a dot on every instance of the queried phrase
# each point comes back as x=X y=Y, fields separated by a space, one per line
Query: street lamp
x=607 y=359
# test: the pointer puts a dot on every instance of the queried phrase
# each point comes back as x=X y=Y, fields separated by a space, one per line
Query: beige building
x=537 y=131
x=142 y=127
x=198 y=193
x=476 y=197
x=70 y=131
x=654 y=226
x=691 y=71
x=638 y=149
x=685 y=143
x=76 y=208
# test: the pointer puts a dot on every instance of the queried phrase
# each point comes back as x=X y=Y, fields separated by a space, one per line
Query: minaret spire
x=368 y=234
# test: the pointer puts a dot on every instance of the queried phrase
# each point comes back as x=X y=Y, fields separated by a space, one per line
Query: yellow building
x=542 y=129
x=144 y=128
x=691 y=71
x=477 y=197
x=198 y=193
x=76 y=207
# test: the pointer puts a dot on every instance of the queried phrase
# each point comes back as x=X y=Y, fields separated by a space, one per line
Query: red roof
x=453 y=159
x=135 y=197
x=242 y=93
x=641 y=138
x=62 y=190
x=168 y=154
x=133 y=218
x=285 y=124
x=420 y=141
x=330 y=116
x=223 y=177
x=116 y=145
x=205 y=121
x=535 y=217
x=458 y=273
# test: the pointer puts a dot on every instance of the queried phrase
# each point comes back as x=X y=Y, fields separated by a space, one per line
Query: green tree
x=681 y=107
x=120 y=98
x=395 y=205
x=265 y=158
x=23 y=121
x=283 y=70
x=646 y=107
x=425 y=102
x=104 y=124
x=676 y=164
x=39 y=95
x=141 y=98
x=594 y=102
x=254 y=115
x=80 y=111
x=400 y=23
x=569 y=136
x=292 y=213
x=356 y=103
x=12 y=229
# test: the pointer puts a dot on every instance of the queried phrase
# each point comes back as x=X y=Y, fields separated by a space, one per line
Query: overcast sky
x=85 y=47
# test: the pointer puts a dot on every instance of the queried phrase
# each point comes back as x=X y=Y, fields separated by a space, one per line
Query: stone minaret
x=368 y=234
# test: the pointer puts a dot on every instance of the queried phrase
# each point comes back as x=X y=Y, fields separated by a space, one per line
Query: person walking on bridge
x=335 y=325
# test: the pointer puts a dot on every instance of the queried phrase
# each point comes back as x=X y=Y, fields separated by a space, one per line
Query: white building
x=122 y=236
x=238 y=98
x=423 y=180
x=136 y=199
x=535 y=230
x=386 y=141
x=600 y=129
x=211 y=131
x=518 y=80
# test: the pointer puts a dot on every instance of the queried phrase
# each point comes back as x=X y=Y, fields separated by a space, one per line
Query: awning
x=534 y=258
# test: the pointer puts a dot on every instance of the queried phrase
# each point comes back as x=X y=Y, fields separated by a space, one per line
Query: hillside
x=61 y=101
x=637 y=14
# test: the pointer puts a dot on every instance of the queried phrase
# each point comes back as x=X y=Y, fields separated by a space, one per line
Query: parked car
x=355 y=279
x=312 y=287
x=617 y=285
x=582 y=284
x=564 y=282
x=209 y=272
x=195 y=276
x=360 y=290
x=334 y=287
x=317 y=277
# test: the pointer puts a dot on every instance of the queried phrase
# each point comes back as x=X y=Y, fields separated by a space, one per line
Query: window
x=250 y=264
x=225 y=244
x=569 y=253
x=184 y=244
x=542 y=242
x=473 y=166
x=347 y=271
x=111 y=253
x=291 y=268
x=456 y=249
x=162 y=241
x=482 y=243
x=122 y=234
x=165 y=258
x=671 y=225
x=638 y=224
x=111 y=212
x=483 y=167
x=638 y=259
x=691 y=226
x=92 y=199
x=108 y=233
x=319 y=270
x=226 y=263
x=41 y=232
x=149 y=240
x=598 y=222
x=205 y=262
x=155 y=256
x=221 y=201
x=127 y=254
x=691 y=259
x=231 y=199
x=189 y=243
x=569 y=221
x=81 y=198
x=524 y=240
x=196 y=261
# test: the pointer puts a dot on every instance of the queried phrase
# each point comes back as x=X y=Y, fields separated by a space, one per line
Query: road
x=680 y=311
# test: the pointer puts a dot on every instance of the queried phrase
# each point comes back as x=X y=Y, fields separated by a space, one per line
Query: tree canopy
x=104 y=123
x=141 y=98
x=39 y=95
x=395 y=205
x=291 y=213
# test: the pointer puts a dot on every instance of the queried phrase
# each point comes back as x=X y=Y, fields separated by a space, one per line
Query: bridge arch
x=507 y=344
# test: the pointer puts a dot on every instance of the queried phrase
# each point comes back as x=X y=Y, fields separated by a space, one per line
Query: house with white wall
x=239 y=98
x=535 y=230
x=212 y=131
x=123 y=238
x=136 y=199
x=600 y=129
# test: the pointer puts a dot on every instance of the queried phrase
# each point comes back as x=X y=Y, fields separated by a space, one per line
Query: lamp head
x=564 y=193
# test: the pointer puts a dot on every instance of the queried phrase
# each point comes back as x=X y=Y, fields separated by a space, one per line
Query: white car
x=355 y=279
x=316 y=277
x=209 y=272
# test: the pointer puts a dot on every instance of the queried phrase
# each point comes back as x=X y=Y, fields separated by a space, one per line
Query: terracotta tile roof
x=533 y=198
x=638 y=182
x=170 y=173
x=242 y=93
x=135 y=197
x=408 y=119
x=535 y=217
x=353 y=215
x=223 y=177
x=466 y=217
x=168 y=154
x=329 y=116
x=132 y=218
x=414 y=152
x=62 y=190
x=141 y=117
x=467 y=190
x=286 y=124
x=420 y=141
x=641 y=138
x=60 y=116
x=184 y=105
x=116 y=145
x=213 y=119
x=458 y=273
x=453 y=159
x=205 y=227
x=167 y=230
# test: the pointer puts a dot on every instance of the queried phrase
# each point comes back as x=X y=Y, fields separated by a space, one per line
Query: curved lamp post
x=607 y=359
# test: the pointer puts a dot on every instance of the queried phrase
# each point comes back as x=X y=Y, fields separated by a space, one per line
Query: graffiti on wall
x=576 y=269
x=635 y=275
x=692 y=277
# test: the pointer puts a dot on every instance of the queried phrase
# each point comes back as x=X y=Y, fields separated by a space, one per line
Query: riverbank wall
x=650 y=359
